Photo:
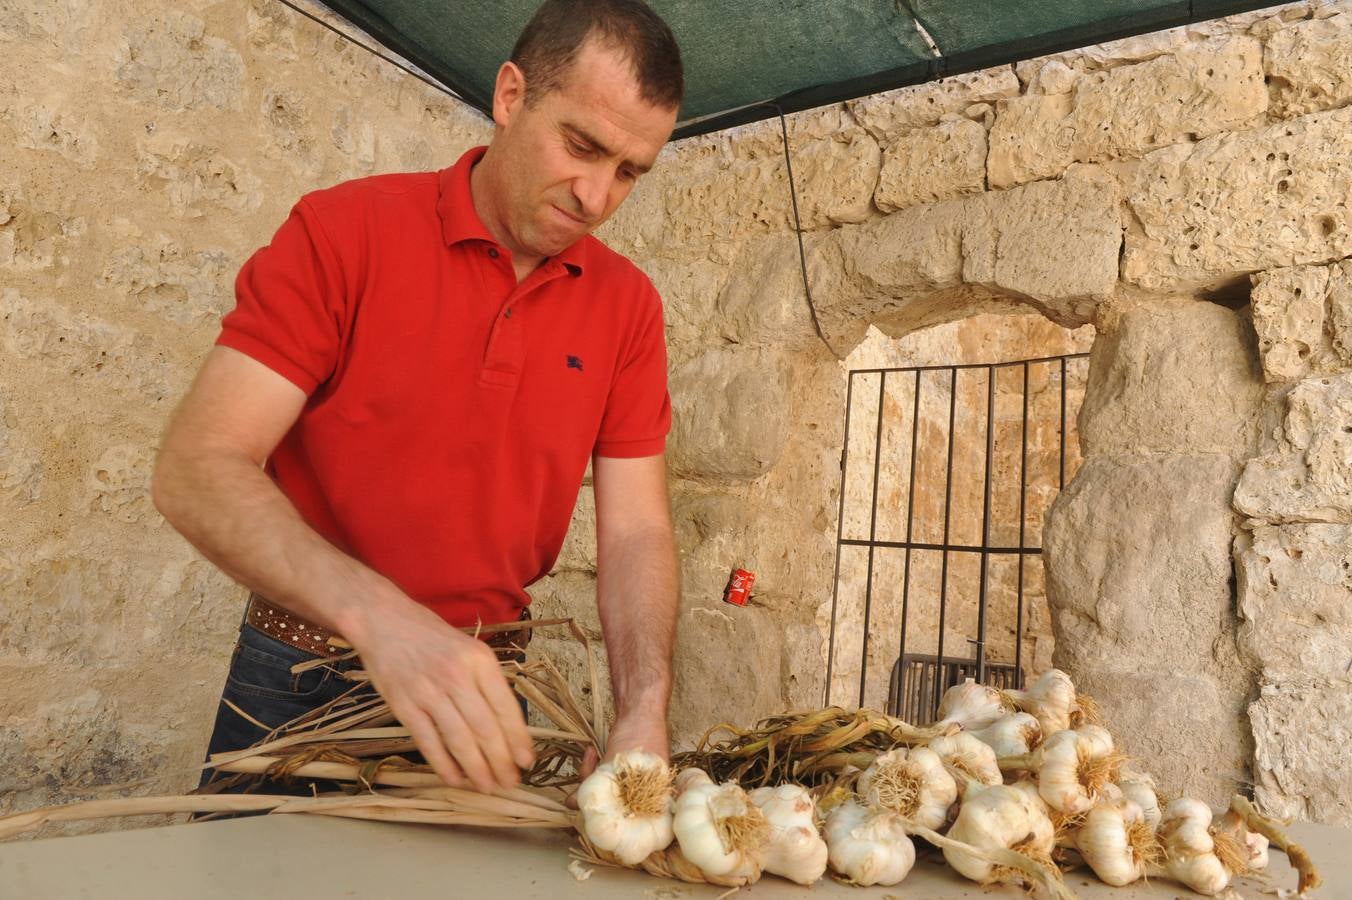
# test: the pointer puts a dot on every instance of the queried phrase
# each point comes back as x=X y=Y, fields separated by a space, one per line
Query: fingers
x=507 y=711
x=428 y=740
x=468 y=747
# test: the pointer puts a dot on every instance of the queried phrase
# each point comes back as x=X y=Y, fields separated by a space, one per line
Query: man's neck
x=482 y=186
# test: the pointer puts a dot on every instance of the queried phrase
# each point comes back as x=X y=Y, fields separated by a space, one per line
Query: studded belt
x=289 y=628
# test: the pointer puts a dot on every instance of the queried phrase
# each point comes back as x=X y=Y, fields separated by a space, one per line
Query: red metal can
x=738 y=590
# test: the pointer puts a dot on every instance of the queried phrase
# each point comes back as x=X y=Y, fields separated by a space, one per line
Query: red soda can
x=738 y=590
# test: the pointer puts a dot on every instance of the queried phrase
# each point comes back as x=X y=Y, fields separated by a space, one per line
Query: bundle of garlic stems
x=354 y=743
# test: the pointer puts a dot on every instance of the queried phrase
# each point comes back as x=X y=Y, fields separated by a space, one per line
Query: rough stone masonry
x=1183 y=193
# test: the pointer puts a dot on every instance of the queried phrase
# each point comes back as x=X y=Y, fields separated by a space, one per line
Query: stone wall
x=1139 y=188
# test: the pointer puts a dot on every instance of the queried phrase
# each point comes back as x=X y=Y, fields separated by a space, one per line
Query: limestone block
x=358 y=142
x=1302 y=730
x=1340 y=311
x=62 y=22
x=1199 y=90
x=1308 y=476
x=1204 y=214
x=190 y=288
x=286 y=121
x=718 y=202
x=1309 y=66
x=764 y=301
x=929 y=164
x=1294 y=584
x=1171 y=376
x=1055 y=243
x=730 y=413
x=578 y=553
x=1137 y=550
x=1186 y=728
x=689 y=291
x=119 y=483
x=45 y=126
x=21 y=476
x=271 y=29
x=1288 y=315
x=835 y=178
x=85 y=349
x=32 y=236
x=640 y=225
x=889 y=114
x=169 y=59
x=198 y=178
x=860 y=274
x=567 y=595
x=729 y=668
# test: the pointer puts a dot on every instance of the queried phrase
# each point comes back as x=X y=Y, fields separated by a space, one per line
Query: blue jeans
x=261 y=684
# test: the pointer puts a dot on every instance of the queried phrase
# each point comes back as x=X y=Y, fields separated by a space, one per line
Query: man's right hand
x=448 y=689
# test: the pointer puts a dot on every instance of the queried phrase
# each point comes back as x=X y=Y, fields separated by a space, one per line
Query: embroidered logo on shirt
x=575 y=362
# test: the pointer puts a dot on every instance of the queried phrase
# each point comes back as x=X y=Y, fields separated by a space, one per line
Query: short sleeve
x=290 y=303
x=638 y=409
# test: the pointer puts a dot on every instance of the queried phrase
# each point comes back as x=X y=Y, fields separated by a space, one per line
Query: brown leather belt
x=289 y=628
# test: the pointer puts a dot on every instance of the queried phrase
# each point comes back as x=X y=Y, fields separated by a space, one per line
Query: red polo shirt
x=451 y=411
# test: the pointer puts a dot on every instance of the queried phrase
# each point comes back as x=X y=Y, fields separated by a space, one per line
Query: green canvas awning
x=744 y=58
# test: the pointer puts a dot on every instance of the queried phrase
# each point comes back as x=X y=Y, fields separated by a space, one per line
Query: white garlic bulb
x=1013 y=734
x=1140 y=789
x=911 y=782
x=1115 y=841
x=1060 y=761
x=868 y=846
x=1050 y=698
x=1189 y=850
x=720 y=831
x=796 y=850
x=965 y=755
x=626 y=806
x=1255 y=845
x=971 y=706
x=998 y=817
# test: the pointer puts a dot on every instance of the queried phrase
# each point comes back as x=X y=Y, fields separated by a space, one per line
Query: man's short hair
x=550 y=42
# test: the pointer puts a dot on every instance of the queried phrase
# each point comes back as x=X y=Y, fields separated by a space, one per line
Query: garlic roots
x=1255 y=845
x=719 y=829
x=913 y=783
x=796 y=850
x=998 y=817
x=1073 y=767
x=868 y=846
x=626 y=806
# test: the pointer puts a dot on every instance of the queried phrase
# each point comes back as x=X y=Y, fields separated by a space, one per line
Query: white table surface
x=299 y=857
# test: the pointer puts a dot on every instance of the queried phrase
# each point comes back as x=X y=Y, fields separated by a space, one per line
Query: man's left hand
x=646 y=733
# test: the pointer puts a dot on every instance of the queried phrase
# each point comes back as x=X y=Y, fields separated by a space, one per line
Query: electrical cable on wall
x=797 y=222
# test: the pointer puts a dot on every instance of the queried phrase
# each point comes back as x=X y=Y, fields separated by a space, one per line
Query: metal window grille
x=898 y=533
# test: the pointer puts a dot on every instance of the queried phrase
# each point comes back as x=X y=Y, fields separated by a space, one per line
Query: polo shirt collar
x=459 y=221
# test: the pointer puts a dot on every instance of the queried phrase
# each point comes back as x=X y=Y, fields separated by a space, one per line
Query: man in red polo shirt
x=390 y=435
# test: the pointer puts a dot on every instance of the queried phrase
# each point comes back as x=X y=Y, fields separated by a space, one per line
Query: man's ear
x=509 y=92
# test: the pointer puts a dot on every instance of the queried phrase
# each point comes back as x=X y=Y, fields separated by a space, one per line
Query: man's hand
x=448 y=689
x=637 y=732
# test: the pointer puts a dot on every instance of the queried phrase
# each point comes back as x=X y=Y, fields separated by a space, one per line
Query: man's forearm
x=232 y=512
x=638 y=596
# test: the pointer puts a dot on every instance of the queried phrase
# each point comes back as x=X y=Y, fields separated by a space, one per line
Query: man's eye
x=578 y=149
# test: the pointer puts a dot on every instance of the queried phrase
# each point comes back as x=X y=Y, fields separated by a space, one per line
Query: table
x=306 y=857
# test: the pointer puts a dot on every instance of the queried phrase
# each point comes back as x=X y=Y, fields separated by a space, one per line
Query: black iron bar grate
x=895 y=535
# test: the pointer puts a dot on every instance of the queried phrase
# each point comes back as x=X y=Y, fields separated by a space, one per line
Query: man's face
x=575 y=153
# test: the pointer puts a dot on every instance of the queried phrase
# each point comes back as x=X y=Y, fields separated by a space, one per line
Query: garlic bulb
x=1255 y=845
x=1051 y=699
x=911 y=782
x=1074 y=766
x=1140 y=789
x=1013 y=734
x=626 y=806
x=998 y=817
x=965 y=755
x=1189 y=850
x=796 y=850
x=868 y=846
x=971 y=706
x=720 y=831
x=1116 y=842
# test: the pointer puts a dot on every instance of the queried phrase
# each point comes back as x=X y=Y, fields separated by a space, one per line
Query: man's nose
x=592 y=190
